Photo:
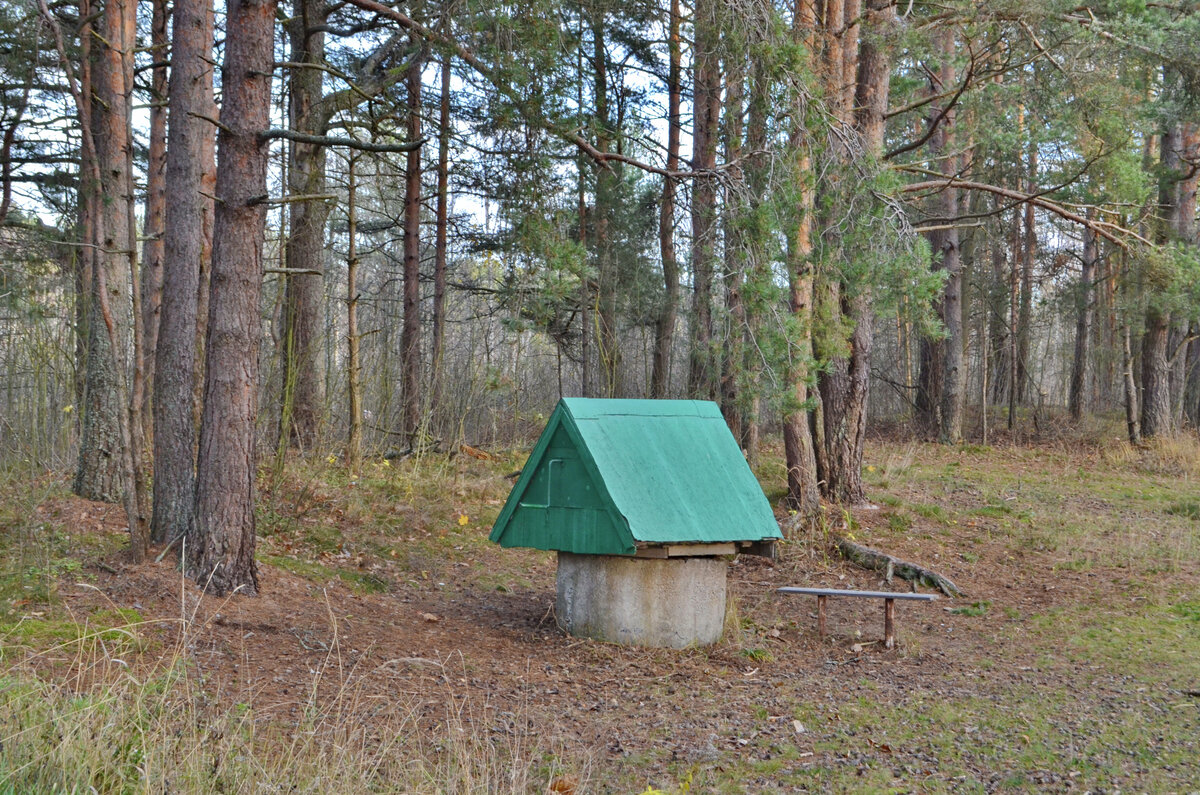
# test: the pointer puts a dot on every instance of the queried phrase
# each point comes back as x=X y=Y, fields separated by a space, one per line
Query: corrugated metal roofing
x=608 y=474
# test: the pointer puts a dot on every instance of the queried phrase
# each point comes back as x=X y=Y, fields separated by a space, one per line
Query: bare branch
x=1100 y=228
x=331 y=140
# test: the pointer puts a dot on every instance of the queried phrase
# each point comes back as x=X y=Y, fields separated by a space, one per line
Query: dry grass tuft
x=82 y=715
x=1176 y=456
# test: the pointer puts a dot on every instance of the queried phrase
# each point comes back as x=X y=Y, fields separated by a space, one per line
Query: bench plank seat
x=924 y=597
x=889 y=606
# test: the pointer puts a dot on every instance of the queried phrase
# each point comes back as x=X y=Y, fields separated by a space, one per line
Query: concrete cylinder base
x=668 y=603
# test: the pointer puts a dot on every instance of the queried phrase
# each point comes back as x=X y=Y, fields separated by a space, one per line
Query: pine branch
x=486 y=71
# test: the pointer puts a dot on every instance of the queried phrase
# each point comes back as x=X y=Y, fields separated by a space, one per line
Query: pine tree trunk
x=702 y=371
x=1177 y=344
x=410 y=335
x=221 y=545
x=1191 y=397
x=803 y=495
x=758 y=256
x=607 y=181
x=208 y=189
x=99 y=474
x=183 y=242
x=930 y=362
x=1161 y=381
x=1190 y=233
x=664 y=325
x=303 y=373
x=438 y=341
x=1083 y=323
x=734 y=210
x=1132 y=424
x=845 y=385
x=1156 y=387
x=153 y=227
x=1014 y=281
x=953 y=365
x=997 y=322
x=940 y=393
x=353 y=361
x=1028 y=260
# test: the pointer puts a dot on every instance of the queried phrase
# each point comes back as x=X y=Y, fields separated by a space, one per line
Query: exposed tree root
x=879 y=561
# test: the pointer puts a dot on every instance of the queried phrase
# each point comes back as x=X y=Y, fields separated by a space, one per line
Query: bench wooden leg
x=889 y=623
x=821 y=616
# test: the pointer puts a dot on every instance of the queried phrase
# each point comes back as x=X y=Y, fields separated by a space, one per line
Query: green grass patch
x=1189 y=509
x=1154 y=643
x=358 y=581
x=117 y=628
x=899 y=522
x=974 y=609
x=932 y=511
x=1189 y=611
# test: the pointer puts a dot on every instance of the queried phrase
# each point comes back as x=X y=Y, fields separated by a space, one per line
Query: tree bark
x=1083 y=324
x=1133 y=425
x=1190 y=233
x=1028 y=261
x=851 y=11
x=410 y=335
x=997 y=316
x=1159 y=379
x=758 y=251
x=946 y=242
x=153 y=226
x=208 y=189
x=734 y=210
x=608 y=177
x=184 y=249
x=939 y=394
x=953 y=362
x=1184 y=380
x=1177 y=344
x=803 y=495
x=1191 y=396
x=99 y=474
x=353 y=362
x=437 y=343
x=221 y=544
x=844 y=385
x=303 y=375
x=702 y=371
x=664 y=325
x=1156 y=387
x=1014 y=281
x=310 y=112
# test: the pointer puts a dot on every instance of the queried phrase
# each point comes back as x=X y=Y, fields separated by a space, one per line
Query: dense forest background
x=351 y=229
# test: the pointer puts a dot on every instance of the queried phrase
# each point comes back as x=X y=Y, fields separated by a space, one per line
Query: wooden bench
x=889 y=606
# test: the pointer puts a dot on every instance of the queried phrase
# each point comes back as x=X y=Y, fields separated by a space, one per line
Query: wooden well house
x=642 y=500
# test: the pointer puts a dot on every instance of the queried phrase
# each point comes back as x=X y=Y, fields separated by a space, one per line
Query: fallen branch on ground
x=878 y=561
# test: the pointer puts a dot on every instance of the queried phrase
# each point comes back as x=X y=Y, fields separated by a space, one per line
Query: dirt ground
x=772 y=708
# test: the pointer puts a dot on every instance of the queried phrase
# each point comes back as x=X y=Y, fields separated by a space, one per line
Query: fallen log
x=879 y=561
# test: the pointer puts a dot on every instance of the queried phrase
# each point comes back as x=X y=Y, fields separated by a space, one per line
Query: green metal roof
x=606 y=475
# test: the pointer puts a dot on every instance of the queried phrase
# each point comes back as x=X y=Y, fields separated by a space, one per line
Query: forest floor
x=392 y=636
